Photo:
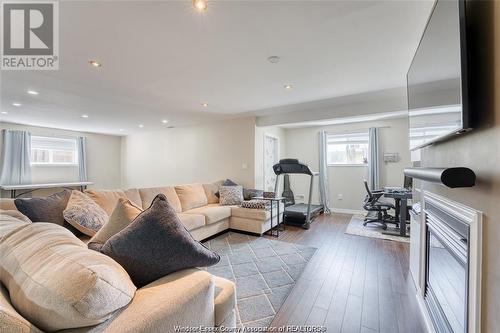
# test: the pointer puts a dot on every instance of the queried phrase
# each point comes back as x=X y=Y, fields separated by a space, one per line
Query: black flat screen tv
x=437 y=81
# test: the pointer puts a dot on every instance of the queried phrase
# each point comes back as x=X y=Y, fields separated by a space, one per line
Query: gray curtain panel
x=81 y=143
x=16 y=152
x=373 y=159
x=324 y=190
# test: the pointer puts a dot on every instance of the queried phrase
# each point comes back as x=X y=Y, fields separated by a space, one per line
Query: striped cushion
x=56 y=283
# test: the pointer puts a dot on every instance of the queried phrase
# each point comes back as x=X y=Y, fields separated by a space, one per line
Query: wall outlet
x=299 y=197
x=340 y=197
x=244 y=166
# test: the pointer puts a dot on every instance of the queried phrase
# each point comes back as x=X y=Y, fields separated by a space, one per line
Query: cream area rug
x=372 y=230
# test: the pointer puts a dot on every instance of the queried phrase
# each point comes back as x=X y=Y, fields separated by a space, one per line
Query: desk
x=401 y=202
x=277 y=226
x=33 y=187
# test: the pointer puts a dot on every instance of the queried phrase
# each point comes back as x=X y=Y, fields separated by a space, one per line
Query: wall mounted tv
x=438 y=90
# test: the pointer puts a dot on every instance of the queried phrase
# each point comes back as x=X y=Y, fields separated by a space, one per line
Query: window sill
x=347 y=165
x=53 y=165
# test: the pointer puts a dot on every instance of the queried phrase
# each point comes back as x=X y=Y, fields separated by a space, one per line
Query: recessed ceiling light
x=204 y=105
x=273 y=59
x=95 y=63
x=200 y=5
x=4 y=112
x=288 y=86
x=141 y=126
x=85 y=115
x=16 y=104
x=32 y=92
x=164 y=121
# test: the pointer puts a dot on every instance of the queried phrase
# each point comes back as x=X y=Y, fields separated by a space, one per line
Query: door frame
x=272 y=136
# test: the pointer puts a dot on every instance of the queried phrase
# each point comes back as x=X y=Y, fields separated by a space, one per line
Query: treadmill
x=298 y=214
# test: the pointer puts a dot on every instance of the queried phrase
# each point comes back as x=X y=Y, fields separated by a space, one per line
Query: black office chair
x=377 y=210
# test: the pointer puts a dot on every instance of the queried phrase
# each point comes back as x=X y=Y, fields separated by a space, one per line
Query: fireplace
x=452 y=265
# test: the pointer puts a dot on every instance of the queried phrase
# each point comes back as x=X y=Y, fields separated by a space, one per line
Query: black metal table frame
x=276 y=228
x=401 y=200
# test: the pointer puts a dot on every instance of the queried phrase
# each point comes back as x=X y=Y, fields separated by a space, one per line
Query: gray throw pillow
x=231 y=195
x=227 y=182
x=156 y=244
x=47 y=209
x=250 y=193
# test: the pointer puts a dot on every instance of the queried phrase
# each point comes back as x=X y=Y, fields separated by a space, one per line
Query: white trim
x=269 y=135
x=474 y=219
x=347 y=211
x=425 y=314
x=347 y=165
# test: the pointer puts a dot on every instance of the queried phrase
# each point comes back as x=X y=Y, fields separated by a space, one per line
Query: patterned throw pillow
x=84 y=214
x=231 y=195
x=227 y=182
x=156 y=244
x=256 y=204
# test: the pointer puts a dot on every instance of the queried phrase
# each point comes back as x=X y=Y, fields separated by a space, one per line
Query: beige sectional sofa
x=197 y=207
x=51 y=277
x=188 y=298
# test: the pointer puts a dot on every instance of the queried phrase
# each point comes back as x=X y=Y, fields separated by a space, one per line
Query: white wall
x=203 y=153
x=260 y=132
x=302 y=143
x=103 y=158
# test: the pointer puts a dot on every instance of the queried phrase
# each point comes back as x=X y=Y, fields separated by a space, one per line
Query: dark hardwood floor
x=352 y=284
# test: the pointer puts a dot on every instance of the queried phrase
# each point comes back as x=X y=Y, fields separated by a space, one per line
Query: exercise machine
x=297 y=213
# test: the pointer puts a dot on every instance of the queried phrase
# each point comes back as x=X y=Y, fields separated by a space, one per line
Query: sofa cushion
x=11 y=220
x=7 y=204
x=231 y=195
x=55 y=282
x=107 y=199
x=47 y=209
x=225 y=299
x=191 y=196
x=213 y=213
x=250 y=193
x=148 y=194
x=155 y=244
x=210 y=191
x=123 y=214
x=256 y=214
x=84 y=214
x=10 y=320
x=192 y=221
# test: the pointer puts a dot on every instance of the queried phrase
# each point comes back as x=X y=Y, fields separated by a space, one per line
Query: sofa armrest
x=225 y=302
x=184 y=298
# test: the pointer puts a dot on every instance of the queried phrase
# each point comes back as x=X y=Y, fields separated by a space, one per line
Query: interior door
x=271 y=157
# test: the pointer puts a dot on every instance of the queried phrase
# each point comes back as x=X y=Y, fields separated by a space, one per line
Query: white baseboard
x=347 y=211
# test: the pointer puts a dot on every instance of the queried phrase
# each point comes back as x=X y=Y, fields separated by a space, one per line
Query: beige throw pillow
x=84 y=214
x=124 y=213
x=210 y=190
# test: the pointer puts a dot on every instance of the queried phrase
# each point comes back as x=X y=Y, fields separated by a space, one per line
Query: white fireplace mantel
x=473 y=218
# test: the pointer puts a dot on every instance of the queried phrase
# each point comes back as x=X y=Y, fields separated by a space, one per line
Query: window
x=53 y=151
x=347 y=149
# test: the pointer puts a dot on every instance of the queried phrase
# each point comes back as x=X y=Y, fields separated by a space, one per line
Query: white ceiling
x=161 y=60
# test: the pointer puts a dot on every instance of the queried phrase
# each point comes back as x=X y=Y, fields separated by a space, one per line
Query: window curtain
x=16 y=152
x=324 y=191
x=81 y=143
x=373 y=159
